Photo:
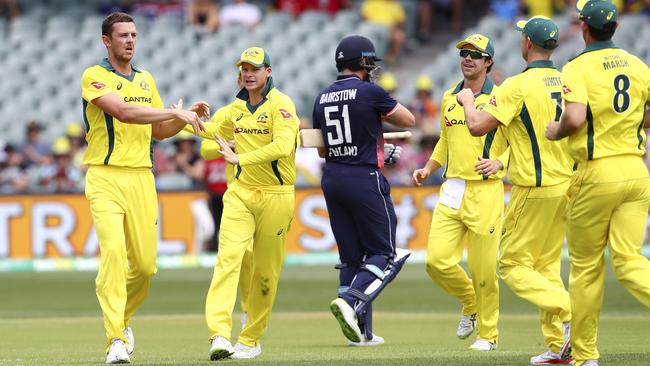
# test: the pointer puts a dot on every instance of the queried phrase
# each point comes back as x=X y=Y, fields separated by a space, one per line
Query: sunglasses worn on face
x=475 y=55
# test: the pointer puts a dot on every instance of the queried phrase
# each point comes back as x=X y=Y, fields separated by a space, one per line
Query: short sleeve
x=285 y=111
x=381 y=100
x=315 y=116
x=505 y=102
x=574 y=86
x=94 y=86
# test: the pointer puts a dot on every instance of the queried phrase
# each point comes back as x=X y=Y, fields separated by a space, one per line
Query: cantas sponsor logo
x=98 y=85
x=137 y=99
x=252 y=131
x=565 y=89
x=493 y=101
x=453 y=122
x=285 y=114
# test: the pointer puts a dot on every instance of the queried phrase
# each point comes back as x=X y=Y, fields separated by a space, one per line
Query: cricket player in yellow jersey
x=606 y=93
x=123 y=112
x=471 y=200
x=258 y=205
x=210 y=150
x=534 y=226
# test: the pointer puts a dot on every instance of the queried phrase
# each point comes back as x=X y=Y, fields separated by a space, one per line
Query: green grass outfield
x=54 y=319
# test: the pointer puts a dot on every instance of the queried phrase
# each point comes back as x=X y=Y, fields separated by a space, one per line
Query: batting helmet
x=356 y=53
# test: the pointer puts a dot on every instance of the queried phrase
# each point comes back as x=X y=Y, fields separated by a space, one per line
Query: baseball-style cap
x=597 y=13
x=481 y=42
x=387 y=81
x=424 y=83
x=255 y=56
x=541 y=30
x=61 y=146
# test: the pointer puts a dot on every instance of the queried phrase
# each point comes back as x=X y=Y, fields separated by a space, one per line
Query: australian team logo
x=480 y=107
x=144 y=85
x=98 y=85
x=262 y=118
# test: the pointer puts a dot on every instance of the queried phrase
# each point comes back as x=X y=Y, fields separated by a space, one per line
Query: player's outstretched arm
x=401 y=117
x=572 y=120
x=420 y=175
x=478 y=123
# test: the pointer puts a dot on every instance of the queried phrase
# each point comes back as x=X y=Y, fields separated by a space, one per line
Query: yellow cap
x=74 y=130
x=424 y=83
x=61 y=146
x=255 y=56
x=387 y=81
x=481 y=42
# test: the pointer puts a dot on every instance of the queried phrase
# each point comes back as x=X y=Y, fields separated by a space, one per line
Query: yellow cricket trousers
x=608 y=206
x=245 y=279
x=124 y=207
x=531 y=251
x=261 y=217
x=480 y=217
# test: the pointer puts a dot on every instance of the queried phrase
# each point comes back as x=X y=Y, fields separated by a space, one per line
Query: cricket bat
x=312 y=137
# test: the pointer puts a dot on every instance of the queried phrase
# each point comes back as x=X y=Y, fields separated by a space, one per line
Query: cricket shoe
x=466 y=326
x=130 y=340
x=117 y=353
x=220 y=348
x=243 y=351
x=550 y=358
x=565 y=351
x=365 y=342
x=590 y=363
x=347 y=318
x=483 y=345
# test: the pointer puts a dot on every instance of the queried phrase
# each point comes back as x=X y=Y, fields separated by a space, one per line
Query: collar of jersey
x=243 y=95
x=541 y=64
x=347 y=76
x=599 y=46
x=486 y=89
x=107 y=65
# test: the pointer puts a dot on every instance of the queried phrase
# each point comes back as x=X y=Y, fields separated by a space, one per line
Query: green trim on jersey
x=243 y=95
x=528 y=123
x=84 y=104
x=276 y=171
x=110 y=129
x=107 y=65
x=540 y=64
x=638 y=131
x=590 y=133
x=487 y=87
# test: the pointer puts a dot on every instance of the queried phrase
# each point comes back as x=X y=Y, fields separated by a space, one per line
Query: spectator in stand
x=75 y=134
x=61 y=175
x=571 y=42
x=216 y=184
x=388 y=81
x=498 y=76
x=203 y=14
x=241 y=12
x=506 y=9
x=35 y=151
x=9 y=9
x=449 y=9
x=188 y=161
x=391 y=14
x=424 y=108
x=296 y=7
x=13 y=174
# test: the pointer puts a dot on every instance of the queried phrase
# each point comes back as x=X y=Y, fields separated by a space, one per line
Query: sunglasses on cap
x=475 y=55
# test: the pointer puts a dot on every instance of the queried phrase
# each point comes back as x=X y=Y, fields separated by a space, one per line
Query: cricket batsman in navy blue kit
x=349 y=114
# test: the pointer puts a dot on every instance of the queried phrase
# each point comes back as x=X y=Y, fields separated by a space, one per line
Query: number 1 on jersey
x=341 y=134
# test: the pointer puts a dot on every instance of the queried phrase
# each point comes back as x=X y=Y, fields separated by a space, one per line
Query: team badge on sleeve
x=285 y=114
x=98 y=85
x=493 y=101
x=565 y=89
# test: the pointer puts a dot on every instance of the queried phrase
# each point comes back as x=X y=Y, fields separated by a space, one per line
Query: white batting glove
x=391 y=153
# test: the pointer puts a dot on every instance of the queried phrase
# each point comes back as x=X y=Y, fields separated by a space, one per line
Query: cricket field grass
x=54 y=319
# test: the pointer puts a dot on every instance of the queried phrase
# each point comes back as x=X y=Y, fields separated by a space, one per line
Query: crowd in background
x=37 y=166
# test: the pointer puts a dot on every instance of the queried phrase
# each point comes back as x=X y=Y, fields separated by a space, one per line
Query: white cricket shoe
x=466 y=326
x=243 y=351
x=590 y=363
x=347 y=319
x=220 y=348
x=117 y=353
x=365 y=342
x=483 y=345
x=130 y=340
x=550 y=358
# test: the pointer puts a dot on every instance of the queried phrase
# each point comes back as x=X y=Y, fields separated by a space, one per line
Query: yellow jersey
x=110 y=141
x=525 y=104
x=457 y=148
x=615 y=87
x=266 y=137
x=385 y=12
